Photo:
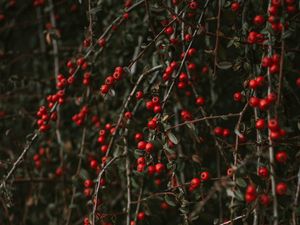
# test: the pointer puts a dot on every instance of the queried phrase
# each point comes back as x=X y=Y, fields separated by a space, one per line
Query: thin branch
x=107 y=165
x=20 y=158
x=296 y=201
x=271 y=151
x=225 y=116
x=216 y=50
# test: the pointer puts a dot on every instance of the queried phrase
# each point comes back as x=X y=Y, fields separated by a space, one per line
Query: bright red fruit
x=263 y=172
x=141 y=216
x=281 y=188
x=235 y=6
x=260 y=124
x=281 y=156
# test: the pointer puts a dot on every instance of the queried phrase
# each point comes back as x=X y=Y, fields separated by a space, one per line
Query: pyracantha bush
x=149 y=112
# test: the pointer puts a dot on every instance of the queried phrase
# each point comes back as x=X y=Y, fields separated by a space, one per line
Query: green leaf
x=138 y=153
x=241 y=182
x=239 y=195
x=172 y=138
x=169 y=150
x=169 y=200
x=84 y=174
x=191 y=126
x=287 y=34
x=224 y=65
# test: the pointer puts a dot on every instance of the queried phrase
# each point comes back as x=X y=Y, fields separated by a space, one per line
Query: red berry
x=151 y=170
x=128 y=115
x=139 y=95
x=195 y=182
x=193 y=5
x=264 y=199
x=104 y=89
x=260 y=80
x=157 y=109
x=169 y=70
x=229 y=172
x=141 y=160
x=191 y=52
x=101 y=42
x=253 y=84
x=276 y=3
x=249 y=198
x=181 y=85
x=140 y=167
x=149 y=147
x=272 y=97
x=276 y=58
x=275 y=135
x=104 y=148
x=204 y=70
x=251 y=189
x=174 y=64
x=138 y=136
x=281 y=157
x=159 y=168
x=141 y=216
x=260 y=124
x=273 y=124
x=235 y=6
x=155 y=100
x=88 y=183
x=258 y=20
x=281 y=188
x=186 y=115
x=266 y=61
x=93 y=164
x=183 y=77
x=164 y=205
x=80 y=61
x=169 y=30
x=152 y=124
x=191 y=66
x=141 y=145
x=205 y=176
x=226 y=133
x=126 y=16
x=87 y=192
x=254 y=101
x=298 y=82
x=188 y=37
x=273 y=10
x=150 y=105
x=263 y=104
x=200 y=101
x=263 y=172
x=218 y=131
x=237 y=96
x=274 y=69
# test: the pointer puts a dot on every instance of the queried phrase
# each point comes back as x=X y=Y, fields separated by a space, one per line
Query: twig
x=271 y=151
x=235 y=154
x=128 y=177
x=234 y=219
x=295 y=205
x=216 y=50
x=83 y=137
x=56 y=72
x=184 y=57
x=98 y=185
x=279 y=90
x=139 y=201
x=203 y=119
x=20 y=158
